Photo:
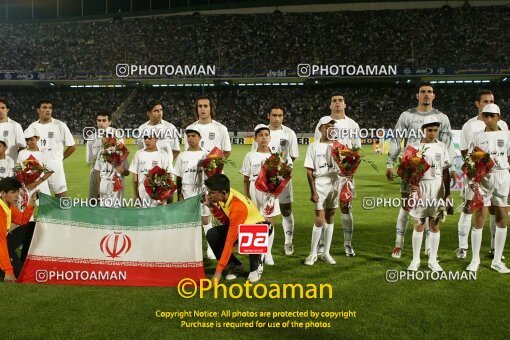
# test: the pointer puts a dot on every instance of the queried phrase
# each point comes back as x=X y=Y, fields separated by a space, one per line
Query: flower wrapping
x=476 y=166
x=114 y=152
x=214 y=162
x=29 y=170
x=348 y=161
x=412 y=168
x=274 y=175
x=159 y=184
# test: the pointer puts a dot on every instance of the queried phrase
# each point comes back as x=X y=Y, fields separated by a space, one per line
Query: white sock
x=476 y=243
x=417 y=238
x=402 y=218
x=328 y=236
x=492 y=225
x=434 y=245
x=427 y=234
x=207 y=227
x=463 y=227
x=270 y=242
x=321 y=242
x=316 y=235
x=348 y=225
x=499 y=244
x=288 y=227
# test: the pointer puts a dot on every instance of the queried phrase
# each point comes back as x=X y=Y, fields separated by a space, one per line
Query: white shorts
x=430 y=200
x=191 y=191
x=106 y=193
x=286 y=195
x=328 y=191
x=93 y=184
x=262 y=199
x=495 y=188
x=57 y=181
x=466 y=192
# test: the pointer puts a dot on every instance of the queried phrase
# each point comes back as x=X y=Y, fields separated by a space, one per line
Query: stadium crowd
x=242 y=109
x=460 y=37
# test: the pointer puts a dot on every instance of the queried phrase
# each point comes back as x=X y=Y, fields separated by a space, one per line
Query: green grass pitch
x=406 y=309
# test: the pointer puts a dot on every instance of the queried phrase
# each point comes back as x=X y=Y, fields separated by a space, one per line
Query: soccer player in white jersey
x=6 y=163
x=434 y=192
x=324 y=181
x=168 y=136
x=252 y=164
x=103 y=122
x=41 y=184
x=470 y=129
x=284 y=140
x=189 y=179
x=409 y=123
x=10 y=131
x=346 y=131
x=146 y=159
x=494 y=188
x=213 y=132
x=54 y=135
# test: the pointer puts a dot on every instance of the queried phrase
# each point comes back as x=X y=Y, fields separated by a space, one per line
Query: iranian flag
x=119 y=247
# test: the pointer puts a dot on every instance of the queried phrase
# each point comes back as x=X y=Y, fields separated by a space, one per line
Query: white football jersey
x=282 y=140
x=472 y=128
x=12 y=134
x=186 y=167
x=497 y=144
x=348 y=130
x=168 y=131
x=6 y=167
x=252 y=164
x=53 y=137
x=144 y=161
x=213 y=134
x=319 y=159
x=436 y=156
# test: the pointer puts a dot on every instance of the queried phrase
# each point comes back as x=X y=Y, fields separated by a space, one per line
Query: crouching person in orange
x=11 y=239
x=231 y=209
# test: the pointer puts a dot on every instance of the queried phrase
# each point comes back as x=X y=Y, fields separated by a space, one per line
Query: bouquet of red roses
x=114 y=152
x=214 y=162
x=348 y=161
x=273 y=177
x=29 y=170
x=476 y=166
x=159 y=184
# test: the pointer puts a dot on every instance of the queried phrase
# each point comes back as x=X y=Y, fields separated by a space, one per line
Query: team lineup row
x=47 y=138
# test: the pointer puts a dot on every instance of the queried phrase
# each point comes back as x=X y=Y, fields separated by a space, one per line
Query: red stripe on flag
x=55 y=272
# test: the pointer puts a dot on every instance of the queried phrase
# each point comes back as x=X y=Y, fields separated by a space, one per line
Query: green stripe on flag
x=182 y=214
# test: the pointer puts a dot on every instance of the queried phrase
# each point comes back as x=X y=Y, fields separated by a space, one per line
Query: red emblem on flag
x=115 y=244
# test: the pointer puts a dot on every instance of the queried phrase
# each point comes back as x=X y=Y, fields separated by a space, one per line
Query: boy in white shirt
x=323 y=179
x=494 y=188
x=6 y=163
x=434 y=189
x=143 y=161
x=189 y=178
x=252 y=164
